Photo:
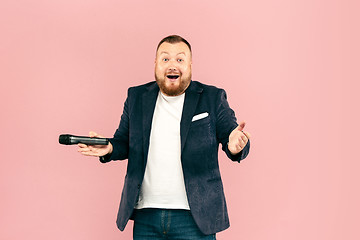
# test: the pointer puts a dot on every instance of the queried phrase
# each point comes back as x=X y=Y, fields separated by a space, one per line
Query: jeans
x=171 y=224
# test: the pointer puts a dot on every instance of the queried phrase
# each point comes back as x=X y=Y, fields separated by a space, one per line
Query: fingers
x=241 y=126
x=94 y=150
x=237 y=149
x=242 y=136
x=83 y=148
x=242 y=139
x=90 y=154
x=247 y=134
x=88 y=150
x=238 y=139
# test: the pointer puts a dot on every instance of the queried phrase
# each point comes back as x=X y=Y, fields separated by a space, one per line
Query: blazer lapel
x=192 y=95
x=148 y=107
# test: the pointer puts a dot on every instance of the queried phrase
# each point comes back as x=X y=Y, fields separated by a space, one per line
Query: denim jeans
x=171 y=224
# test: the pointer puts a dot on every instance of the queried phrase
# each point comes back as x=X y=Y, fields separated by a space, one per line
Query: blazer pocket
x=200 y=116
x=205 y=121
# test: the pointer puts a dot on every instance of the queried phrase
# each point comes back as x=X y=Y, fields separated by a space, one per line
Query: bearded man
x=170 y=131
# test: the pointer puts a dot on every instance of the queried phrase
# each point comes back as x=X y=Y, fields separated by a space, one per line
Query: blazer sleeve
x=225 y=124
x=120 y=141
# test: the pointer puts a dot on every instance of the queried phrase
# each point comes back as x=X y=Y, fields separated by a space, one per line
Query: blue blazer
x=199 y=150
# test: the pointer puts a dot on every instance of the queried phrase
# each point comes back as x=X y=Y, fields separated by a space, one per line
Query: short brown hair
x=174 y=39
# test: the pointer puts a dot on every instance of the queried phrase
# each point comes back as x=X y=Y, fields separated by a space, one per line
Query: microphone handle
x=89 y=140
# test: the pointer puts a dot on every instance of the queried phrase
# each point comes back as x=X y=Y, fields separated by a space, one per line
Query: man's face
x=173 y=68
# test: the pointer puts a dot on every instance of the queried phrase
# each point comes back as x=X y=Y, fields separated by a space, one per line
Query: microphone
x=68 y=139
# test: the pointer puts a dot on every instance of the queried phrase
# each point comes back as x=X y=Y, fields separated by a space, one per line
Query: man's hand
x=95 y=150
x=238 y=139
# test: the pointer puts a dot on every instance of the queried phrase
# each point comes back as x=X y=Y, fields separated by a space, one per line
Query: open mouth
x=172 y=76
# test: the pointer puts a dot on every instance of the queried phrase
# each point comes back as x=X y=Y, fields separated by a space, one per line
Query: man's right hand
x=95 y=150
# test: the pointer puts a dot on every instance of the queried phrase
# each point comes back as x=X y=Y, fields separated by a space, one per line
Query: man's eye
x=180 y=60
x=165 y=59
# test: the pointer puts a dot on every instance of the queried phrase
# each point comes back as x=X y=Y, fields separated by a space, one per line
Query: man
x=170 y=131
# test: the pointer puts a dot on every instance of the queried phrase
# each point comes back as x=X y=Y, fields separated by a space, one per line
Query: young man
x=170 y=131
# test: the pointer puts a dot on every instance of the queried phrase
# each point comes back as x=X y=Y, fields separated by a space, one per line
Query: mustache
x=173 y=72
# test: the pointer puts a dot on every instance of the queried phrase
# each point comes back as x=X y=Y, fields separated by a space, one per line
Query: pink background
x=290 y=68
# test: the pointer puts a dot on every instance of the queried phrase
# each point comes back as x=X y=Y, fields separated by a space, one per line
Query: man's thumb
x=241 y=126
x=93 y=134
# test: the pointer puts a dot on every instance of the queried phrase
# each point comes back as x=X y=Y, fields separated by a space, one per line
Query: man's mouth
x=172 y=76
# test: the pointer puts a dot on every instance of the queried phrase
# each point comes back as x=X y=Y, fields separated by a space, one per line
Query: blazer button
x=139 y=185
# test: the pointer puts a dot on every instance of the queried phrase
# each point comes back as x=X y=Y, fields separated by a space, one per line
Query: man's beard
x=172 y=90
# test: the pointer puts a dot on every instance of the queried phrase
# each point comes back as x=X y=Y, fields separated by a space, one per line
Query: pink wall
x=290 y=68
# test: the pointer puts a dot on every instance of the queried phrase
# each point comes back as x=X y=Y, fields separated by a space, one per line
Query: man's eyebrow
x=163 y=52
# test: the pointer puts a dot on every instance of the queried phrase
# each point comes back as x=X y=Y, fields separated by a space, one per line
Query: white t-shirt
x=163 y=185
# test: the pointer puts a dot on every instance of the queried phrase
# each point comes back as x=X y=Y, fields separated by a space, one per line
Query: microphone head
x=65 y=139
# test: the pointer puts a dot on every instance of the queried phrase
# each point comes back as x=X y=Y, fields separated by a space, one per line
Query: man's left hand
x=238 y=139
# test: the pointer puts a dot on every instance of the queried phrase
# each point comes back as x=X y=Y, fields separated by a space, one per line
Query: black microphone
x=68 y=139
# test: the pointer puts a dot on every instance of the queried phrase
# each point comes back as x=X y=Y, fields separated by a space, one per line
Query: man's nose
x=172 y=68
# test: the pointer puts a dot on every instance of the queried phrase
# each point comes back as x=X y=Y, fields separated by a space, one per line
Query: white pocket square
x=200 y=116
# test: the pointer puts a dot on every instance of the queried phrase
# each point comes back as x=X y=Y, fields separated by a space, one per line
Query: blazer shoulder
x=208 y=89
x=142 y=88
